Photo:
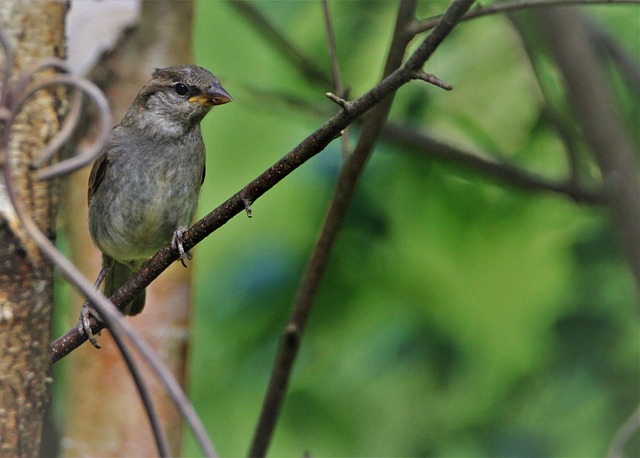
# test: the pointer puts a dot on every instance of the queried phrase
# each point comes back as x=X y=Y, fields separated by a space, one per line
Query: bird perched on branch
x=143 y=188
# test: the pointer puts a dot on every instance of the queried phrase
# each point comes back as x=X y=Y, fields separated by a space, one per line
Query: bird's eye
x=181 y=89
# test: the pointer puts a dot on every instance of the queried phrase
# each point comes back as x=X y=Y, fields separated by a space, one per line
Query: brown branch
x=432 y=79
x=281 y=42
x=335 y=71
x=561 y=124
x=626 y=61
x=506 y=172
x=503 y=171
x=504 y=7
x=349 y=174
x=423 y=143
x=589 y=95
x=307 y=149
x=333 y=54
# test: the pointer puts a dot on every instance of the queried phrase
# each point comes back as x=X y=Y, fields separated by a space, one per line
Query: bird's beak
x=214 y=95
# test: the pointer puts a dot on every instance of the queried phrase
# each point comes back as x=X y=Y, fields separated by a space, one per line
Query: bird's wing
x=97 y=174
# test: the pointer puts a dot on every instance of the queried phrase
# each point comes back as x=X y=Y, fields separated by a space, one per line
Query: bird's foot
x=84 y=324
x=176 y=244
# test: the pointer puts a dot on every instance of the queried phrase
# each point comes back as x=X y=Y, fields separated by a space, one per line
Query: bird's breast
x=143 y=199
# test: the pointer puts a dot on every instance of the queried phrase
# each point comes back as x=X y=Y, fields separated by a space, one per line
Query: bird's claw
x=177 y=244
x=84 y=325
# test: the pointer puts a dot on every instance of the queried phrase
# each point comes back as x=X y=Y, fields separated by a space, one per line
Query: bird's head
x=175 y=100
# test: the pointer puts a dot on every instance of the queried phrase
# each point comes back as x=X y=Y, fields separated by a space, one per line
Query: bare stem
x=335 y=71
x=432 y=79
x=308 y=148
x=264 y=26
x=333 y=54
x=349 y=174
x=504 y=7
x=600 y=119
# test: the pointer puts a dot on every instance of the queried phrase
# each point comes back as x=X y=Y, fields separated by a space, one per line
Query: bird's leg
x=176 y=244
x=87 y=310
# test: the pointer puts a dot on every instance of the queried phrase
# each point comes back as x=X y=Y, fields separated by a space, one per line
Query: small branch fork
x=432 y=79
x=13 y=98
x=342 y=103
x=335 y=72
x=346 y=185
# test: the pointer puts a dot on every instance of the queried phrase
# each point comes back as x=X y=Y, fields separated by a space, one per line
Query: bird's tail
x=116 y=277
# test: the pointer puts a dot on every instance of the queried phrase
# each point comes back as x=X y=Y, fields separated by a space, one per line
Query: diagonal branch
x=308 y=148
x=508 y=6
x=431 y=147
x=281 y=42
x=338 y=86
x=507 y=172
x=589 y=95
x=333 y=55
x=347 y=181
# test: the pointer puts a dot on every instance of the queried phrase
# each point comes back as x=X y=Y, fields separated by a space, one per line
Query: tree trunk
x=35 y=29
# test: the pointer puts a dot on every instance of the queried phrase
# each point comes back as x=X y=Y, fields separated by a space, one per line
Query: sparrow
x=144 y=186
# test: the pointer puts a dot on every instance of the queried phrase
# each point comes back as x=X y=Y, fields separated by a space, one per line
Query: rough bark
x=35 y=29
x=100 y=381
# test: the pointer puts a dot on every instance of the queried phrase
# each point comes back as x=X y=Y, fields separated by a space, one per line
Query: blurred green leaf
x=458 y=317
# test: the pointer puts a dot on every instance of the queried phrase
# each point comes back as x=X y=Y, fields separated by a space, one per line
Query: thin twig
x=422 y=142
x=337 y=100
x=432 y=79
x=332 y=48
x=598 y=115
x=626 y=61
x=145 y=395
x=349 y=174
x=563 y=125
x=305 y=150
x=335 y=71
x=284 y=45
x=431 y=147
x=503 y=7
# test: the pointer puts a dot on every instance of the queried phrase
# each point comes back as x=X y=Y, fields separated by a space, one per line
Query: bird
x=143 y=188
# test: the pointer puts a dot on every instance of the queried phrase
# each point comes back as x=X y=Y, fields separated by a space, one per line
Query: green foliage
x=458 y=316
